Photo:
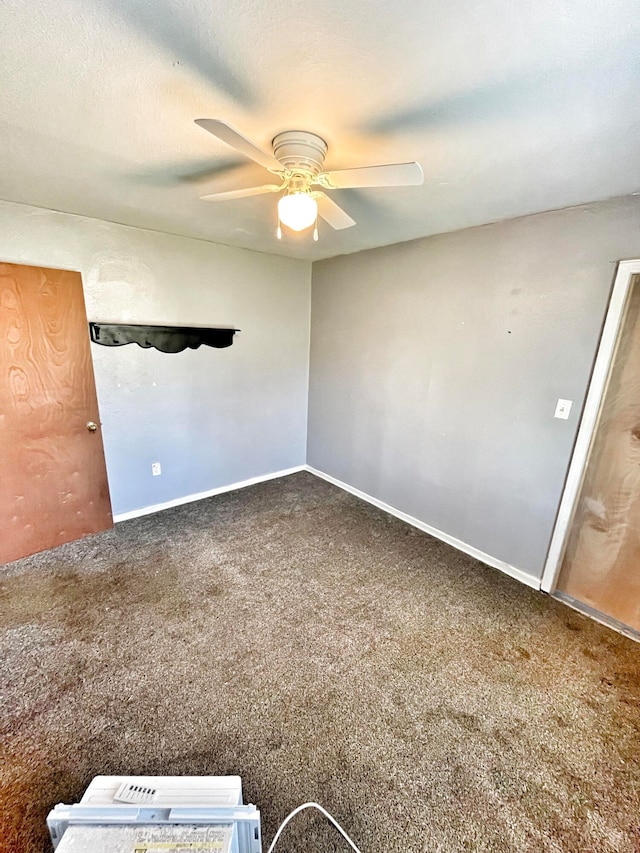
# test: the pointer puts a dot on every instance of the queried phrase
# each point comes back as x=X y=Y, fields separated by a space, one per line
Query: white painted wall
x=211 y=417
x=436 y=366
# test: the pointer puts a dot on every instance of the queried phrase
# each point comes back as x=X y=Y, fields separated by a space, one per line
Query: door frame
x=607 y=349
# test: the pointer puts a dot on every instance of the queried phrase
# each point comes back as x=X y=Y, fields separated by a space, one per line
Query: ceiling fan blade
x=245 y=193
x=393 y=175
x=236 y=140
x=333 y=213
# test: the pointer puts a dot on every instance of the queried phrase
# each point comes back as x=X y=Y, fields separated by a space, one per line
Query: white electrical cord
x=320 y=809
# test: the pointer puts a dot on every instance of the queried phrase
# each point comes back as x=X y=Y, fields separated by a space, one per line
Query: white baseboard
x=148 y=510
x=508 y=569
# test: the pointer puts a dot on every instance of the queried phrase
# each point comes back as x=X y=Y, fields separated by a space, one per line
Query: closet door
x=601 y=564
x=53 y=479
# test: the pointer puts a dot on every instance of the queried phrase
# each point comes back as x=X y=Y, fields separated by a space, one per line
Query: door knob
x=91 y=426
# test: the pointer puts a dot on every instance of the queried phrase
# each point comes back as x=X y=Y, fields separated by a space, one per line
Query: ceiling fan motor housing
x=300 y=152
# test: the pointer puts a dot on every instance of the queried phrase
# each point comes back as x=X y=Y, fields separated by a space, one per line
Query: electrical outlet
x=563 y=408
x=156 y=469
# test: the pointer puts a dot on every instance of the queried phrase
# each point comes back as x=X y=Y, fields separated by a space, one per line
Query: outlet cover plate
x=563 y=409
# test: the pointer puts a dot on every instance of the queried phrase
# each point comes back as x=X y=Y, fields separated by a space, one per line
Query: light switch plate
x=563 y=409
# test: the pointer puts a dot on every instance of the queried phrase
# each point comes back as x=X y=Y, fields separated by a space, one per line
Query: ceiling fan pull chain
x=315 y=230
x=279 y=229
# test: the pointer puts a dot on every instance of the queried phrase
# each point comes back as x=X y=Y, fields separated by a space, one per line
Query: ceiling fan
x=297 y=161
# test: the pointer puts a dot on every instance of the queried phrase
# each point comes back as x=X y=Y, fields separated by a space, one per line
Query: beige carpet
x=322 y=650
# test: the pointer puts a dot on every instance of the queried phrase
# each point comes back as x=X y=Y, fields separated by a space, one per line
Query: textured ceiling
x=510 y=108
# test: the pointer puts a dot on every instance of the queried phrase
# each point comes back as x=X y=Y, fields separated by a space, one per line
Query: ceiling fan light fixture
x=297 y=210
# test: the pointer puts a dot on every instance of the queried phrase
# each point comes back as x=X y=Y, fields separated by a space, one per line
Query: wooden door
x=53 y=479
x=601 y=565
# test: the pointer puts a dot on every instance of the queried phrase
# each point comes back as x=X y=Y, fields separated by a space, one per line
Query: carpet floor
x=322 y=650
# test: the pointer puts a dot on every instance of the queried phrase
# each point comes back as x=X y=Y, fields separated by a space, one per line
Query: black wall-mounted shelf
x=162 y=338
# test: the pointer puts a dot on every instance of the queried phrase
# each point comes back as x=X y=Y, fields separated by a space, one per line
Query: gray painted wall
x=210 y=417
x=436 y=366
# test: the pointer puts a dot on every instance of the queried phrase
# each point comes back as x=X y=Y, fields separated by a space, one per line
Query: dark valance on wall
x=163 y=338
